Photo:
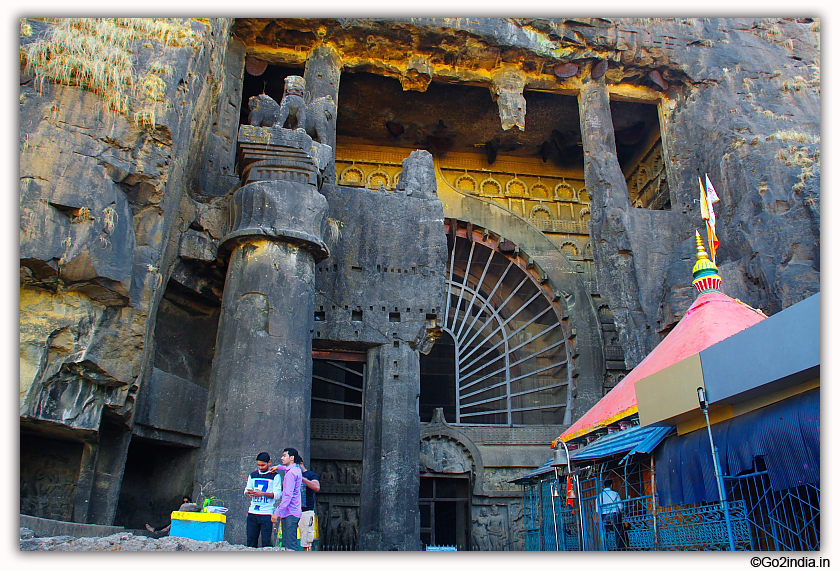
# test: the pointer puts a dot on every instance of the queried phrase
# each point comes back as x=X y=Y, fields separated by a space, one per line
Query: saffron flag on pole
x=709 y=195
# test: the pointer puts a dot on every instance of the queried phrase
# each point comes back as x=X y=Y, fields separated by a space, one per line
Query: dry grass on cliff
x=96 y=54
x=793 y=156
x=794 y=136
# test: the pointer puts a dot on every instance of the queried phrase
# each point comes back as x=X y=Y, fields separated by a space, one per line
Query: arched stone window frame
x=565 y=185
x=343 y=177
x=378 y=173
x=491 y=182
x=541 y=208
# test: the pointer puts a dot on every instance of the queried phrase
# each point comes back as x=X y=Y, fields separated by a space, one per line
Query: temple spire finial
x=706 y=277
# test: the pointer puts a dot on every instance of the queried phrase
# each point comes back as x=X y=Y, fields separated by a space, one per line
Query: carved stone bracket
x=507 y=90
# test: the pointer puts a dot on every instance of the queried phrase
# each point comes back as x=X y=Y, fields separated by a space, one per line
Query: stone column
x=611 y=220
x=390 y=516
x=602 y=171
x=261 y=382
x=84 y=487
x=110 y=454
x=322 y=76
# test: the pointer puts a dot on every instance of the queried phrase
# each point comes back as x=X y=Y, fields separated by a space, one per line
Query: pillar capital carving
x=279 y=198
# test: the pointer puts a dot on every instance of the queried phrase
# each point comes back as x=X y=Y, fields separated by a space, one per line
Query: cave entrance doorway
x=437 y=379
x=157 y=476
x=445 y=510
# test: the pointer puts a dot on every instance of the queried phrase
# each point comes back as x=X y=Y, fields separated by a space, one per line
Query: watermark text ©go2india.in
x=789 y=562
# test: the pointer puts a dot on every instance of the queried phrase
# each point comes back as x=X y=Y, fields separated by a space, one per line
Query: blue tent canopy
x=633 y=440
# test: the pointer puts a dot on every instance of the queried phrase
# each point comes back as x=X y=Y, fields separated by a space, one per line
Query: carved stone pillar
x=261 y=380
x=84 y=487
x=610 y=218
x=390 y=515
x=322 y=76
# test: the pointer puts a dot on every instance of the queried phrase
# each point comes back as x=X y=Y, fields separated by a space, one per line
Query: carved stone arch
x=466 y=183
x=583 y=196
x=378 y=178
x=569 y=248
x=562 y=285
x=516 y=188
x=564 y=191
x=539 y=191
x=450 y=440
x=491 y=187
x=587 y=250
x=584 y=215
x=541 y=208
x=352 y=176
x=605 y=314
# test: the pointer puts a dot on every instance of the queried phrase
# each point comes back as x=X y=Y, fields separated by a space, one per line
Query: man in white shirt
x=611 y=507
x=261 y=487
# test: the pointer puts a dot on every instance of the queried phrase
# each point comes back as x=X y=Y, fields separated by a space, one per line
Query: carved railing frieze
x=553 y=200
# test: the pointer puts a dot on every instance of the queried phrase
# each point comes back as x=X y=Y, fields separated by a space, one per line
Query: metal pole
x=577 y=492
x=715 y=458
x=554 y=509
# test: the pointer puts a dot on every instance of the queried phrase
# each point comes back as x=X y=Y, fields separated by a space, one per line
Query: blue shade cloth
x=786 y=434
x=633 y=440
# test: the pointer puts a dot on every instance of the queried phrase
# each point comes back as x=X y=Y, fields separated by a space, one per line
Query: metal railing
x=778 y=520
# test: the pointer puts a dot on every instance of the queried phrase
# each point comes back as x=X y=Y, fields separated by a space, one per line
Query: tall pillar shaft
x=601 y=169
x=107 y=475
x=261 y=382
x=390 y=516
x=612 y=222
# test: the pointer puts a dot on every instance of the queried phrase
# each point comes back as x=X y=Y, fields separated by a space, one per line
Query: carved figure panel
x=491 y=528
x=445 y=455
x=498 y=479
x=338 y=524
x=338 y=476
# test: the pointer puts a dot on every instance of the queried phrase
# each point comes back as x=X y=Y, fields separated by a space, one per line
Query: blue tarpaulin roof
x=786 y=434
x=633 y=440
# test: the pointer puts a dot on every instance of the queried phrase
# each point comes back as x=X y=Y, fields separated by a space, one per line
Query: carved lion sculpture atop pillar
x=314 y=118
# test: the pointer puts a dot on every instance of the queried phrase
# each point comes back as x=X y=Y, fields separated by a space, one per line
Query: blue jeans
x=290 y=528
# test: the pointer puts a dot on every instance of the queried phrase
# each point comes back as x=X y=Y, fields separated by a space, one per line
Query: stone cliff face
x=100 y=222
x=746 y=112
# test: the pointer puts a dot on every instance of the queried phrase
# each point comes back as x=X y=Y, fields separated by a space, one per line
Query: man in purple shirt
x=289 y=510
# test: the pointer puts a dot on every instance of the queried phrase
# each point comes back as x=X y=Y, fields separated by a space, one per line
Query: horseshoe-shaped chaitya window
x=503 y=356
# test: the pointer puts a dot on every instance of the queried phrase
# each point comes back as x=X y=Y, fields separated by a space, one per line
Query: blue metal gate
x=778 y=520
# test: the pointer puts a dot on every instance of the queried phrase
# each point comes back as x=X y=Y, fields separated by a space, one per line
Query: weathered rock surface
x=121 y=280
x=98 y=215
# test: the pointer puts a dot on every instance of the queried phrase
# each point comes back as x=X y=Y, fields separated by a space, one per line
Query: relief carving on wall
x=490 y=528
x=499 y=479
x=48 y=485
x=338 y=476
x=445 y=455
x=338 y=525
